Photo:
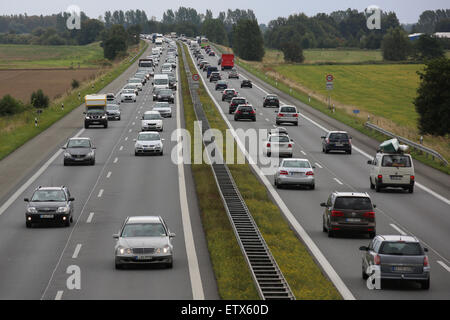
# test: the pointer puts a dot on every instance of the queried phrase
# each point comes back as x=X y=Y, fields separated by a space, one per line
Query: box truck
x=95 y=113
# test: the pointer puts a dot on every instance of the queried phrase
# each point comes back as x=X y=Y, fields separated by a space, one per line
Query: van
x=391 y=170
x=161 y=81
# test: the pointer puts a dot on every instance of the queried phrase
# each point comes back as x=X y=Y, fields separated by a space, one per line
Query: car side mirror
x=425 y=249
x=364 y=248
x=313 y=167
x=369 y=161
x=63 y=147
x=26 y=200
x=322 y=137
x=71 y=199
x=163 y=139
x=374 y=206
x=116 y=236
x=172 y=235
x=323 y=204
x=134 y=140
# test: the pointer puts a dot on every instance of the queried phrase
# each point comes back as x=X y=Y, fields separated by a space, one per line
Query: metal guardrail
x=267 y=276
x=412 y=144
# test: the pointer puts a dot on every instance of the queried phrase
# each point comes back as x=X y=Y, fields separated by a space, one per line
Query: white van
x=161 y=81
x=394 y=170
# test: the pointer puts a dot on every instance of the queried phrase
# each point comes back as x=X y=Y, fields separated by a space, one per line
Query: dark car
x=165 y=95
x=221 y=85
x=211 y=69
x=246 y=84
x=51 y=205
x=113 y=111
x=271 y=100
x=229 y=94
x=337 y=140
x=172 y=82
x=245 y=111
x=348 y=212
x=78 y=151
x=235 y=102
x=215 y=76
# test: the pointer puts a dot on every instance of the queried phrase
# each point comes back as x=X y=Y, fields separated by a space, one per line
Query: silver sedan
x=295 y=172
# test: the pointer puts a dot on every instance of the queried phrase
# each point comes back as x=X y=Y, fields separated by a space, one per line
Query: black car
x=245 y=111
x=172 y=83
x=165 y=95
x=337 y=140
x=215 y=76
x=79 y=151
x=50 y=204
x=246 y=84
x=221 y=85
x=229 y=94
x=271 y=100
x=234 y=104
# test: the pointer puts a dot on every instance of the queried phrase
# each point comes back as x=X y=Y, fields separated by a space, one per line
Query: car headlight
x=91 y=154
x=165 y=249
x=62 y=210
x=104 y=116
x=31 y=210
x=67 y=155
x=123 y=250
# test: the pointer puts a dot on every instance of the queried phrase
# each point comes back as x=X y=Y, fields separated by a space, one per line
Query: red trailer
x=227 y=61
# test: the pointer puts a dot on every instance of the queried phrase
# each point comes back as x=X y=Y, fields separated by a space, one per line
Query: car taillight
x=425 y=261
x=380 y=177
x=369 y=214
x=280 y=115
x=336 y=213
x=268 y=145
x=310 y=173
x=295 y=115
x=284 y=173
x=411 y=178
x=252 y=112
x=238 y=112
x=376 y=260
x=289 y=145
x=327 y=140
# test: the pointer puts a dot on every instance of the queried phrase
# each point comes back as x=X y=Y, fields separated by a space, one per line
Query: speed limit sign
x=195 y=77
x=330 y=78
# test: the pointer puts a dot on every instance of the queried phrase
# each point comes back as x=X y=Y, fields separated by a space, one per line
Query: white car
x=279 y=144
x=137 y=82
x=151 y=121
x=128 y=95
x=148 y=143
x=164 y=108
x=295 y=172
x=134 y=86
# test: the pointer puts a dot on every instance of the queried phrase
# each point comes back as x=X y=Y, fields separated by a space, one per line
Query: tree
x=90 y=31
x=292 y=52
x=115 y=41
x=428 y=47
x=396 y=45
x=10 y=106
x=39 y=99
x=247 y=40
x=433 y=99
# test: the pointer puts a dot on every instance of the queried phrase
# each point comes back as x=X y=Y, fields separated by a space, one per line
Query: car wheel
x=67 y=223
x=377 y=187
x=105 y=126
x=425 y=285
x=331 y=233
x=119 y=118
x=372 y=235
x=411 y=189
x=118 y=266
x=28 y=224
x=269 y=154
x=326 y=150
x=93 y=162
x=324 y=229
x=65 y=163
x=349 y=151
x=161 y=153
x=312 y=187
x=86 y=126
x=372 y=186
x=364 y=274
x=170 y=265
x=296 y=124
x=136 y=154
x=278 y=123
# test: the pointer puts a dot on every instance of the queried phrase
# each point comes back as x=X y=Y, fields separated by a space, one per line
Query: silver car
x=164 y=109
x=144 y=240
x=287 y=114
x=279 y=144
x=148 y=143
x=396 y=257
x=295 y=172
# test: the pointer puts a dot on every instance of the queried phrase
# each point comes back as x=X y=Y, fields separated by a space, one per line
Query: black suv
x=337 y=140
x=235 y=102
x=50 y=204
x=246 y=83
x=349 y=211
x=271 y=100
x=79 y=150
x=245 y=111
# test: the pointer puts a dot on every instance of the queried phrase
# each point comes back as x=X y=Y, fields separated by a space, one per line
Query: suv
x=233 y=74
x=235 y=102
x=229 y=94
x=397 y=257
x=391 y=170
x=79 y=150
x=50 y=204
x=271 y=100
x=337 y=140
x=215 y=76
x=246 y=83
x=245 y=111
x=349 y=211
x=209 y=70
x=221 y=85
x=287 y=114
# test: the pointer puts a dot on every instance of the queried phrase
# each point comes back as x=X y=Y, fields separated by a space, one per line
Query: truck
x=145 y=63
x=95 y=113
x=227 y=61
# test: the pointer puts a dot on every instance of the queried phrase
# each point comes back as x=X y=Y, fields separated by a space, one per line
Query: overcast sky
x=408 y=11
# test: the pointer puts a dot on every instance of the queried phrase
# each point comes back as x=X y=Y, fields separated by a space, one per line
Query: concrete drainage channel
x=269 y=280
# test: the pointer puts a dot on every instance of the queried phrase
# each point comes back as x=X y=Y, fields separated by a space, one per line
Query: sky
x=408 y=11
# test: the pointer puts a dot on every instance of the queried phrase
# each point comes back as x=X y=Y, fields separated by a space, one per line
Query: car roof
x=51 y=188
x=352 y=194
x=398 y=238
x=295 y=159
x=143 y=219
x=338 y=132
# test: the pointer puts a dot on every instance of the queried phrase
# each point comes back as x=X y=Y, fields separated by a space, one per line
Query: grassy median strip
x=233 y=278
x=18 y=129
x=299 y=268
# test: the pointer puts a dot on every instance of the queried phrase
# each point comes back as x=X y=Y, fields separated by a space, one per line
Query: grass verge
x=299 y=268
x=18 y=129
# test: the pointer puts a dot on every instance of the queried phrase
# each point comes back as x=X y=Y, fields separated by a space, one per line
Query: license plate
x=245 y=113
x=144 y=257
x=396 y=177
x=297 y=173
x=338 y=144
x=402 y=269
x=47 y=216
x=353 y=220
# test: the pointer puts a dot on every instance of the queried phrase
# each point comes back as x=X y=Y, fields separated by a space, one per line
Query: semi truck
x=95 y=113
x=227 y=61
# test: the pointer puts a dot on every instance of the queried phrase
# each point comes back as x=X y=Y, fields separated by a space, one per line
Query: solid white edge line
x=403 y=233
x=77 y=251
x=443 y=265
x=194 y=270
x=326 y=266
x=59 y=295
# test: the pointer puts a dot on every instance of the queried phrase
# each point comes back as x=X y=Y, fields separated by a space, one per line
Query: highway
x=425 y=213
x=37 y=263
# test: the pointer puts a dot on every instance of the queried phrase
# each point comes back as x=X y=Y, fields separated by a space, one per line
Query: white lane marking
x=261 y=114
x=59 y=295
x=129 y=131
x=133 y=123
x=194 y=270
x=318 y=164
x=100 y=193
x=267 y=120
x=89 y=219
x=443 y=265
x=77 y=251
x=32 y=179
x=108 y=175
x=126 y=138
x=313 y=248
x=121 y=148
x=115 y=160
x=337 y=180
x=136 y=118
x=403 y=233
x=303 y=152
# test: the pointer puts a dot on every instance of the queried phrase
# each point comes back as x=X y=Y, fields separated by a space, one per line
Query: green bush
x=39 y=99
x=10 y=106
x=75 y=83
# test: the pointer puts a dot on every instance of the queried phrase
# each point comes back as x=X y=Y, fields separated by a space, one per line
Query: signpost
x=329 y=78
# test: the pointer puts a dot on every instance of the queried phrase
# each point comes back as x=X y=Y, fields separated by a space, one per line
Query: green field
x=36 y=57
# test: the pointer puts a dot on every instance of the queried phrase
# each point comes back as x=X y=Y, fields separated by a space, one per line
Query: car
x=349 y=212
x=278 y=131
x=396 y=257
x=235 y=102
x=295 y=172
x=127 y=95
x=211 y=53
x=391 y=170
x=142 y=76
x=233 y=75
x=166 y=67
x=337 y=140
x=245 y=111
x=205 y=67
x=143 y=240
x=271 y=100
x=215 y=76
x=229 y=94
x=164 y=109
x=202 y=63
x=152 y=121
x=50 y=205
x=172 y=82
x=132 y=86
x=221 y=85
x=78 y=151
x=113 y=112
x=148 y=143
x=211 y=69
x=137 y=82
x=246 y=84
x=287 y=114
x=281 y=145
x=165 y=95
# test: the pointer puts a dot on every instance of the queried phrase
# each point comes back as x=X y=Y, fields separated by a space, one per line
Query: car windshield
x=143 y=230
x=272 y=97
x=401 y=248
x=112 y=107
x=128 y=91
x=288 y=109
x=396 y=161
x=78 y=143
x=279 y=139
x=152 y=116
x=338 y=136
x=148 y=136
x=161 y=81
x=166 y=91
x=245 y=109
x=162 y=104
x=296 y=164
x=238 y=101
x=353 y=203
x=134 y=81
x=49 y=196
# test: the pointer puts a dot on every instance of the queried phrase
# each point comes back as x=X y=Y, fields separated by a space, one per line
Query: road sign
x=329 y=85
x=330 y=78
x=195 y=77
